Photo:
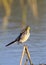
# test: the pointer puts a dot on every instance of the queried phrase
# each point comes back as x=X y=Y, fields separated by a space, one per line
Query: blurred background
x=14 y=16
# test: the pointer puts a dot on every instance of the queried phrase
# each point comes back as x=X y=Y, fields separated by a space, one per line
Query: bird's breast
x=25 y=37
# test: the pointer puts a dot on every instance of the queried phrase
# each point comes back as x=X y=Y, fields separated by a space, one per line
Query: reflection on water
x=36 y=44
x=7 y=5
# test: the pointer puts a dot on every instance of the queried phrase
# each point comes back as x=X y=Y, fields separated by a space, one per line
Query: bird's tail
x=11 y=42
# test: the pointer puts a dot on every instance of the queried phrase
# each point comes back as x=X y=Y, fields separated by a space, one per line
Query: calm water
x=36 y=44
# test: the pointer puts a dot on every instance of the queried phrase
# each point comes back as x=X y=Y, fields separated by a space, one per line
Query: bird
x=23 y=37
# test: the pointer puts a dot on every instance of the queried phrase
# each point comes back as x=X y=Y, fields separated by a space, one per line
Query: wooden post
x=25 y=51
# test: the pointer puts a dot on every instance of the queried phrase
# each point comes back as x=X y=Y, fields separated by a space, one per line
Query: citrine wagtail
x=24 y=35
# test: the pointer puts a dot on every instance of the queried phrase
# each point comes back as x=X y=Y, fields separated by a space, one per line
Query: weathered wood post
x=25 y=51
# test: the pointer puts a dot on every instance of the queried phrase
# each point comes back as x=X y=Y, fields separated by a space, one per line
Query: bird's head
x=28 y=28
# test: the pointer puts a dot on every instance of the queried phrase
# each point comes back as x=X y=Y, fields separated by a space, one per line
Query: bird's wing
x=18 y=38
x=23 y=34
